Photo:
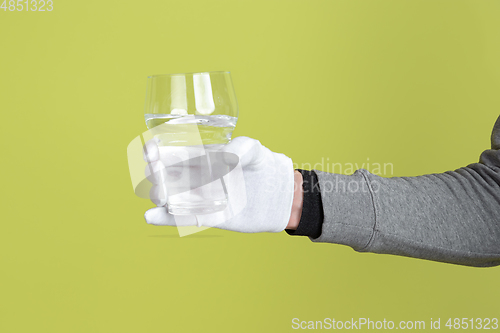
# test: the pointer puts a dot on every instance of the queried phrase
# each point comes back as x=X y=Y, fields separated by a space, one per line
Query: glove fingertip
x=159 y=216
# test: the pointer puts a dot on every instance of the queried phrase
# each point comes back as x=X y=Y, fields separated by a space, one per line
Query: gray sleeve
x=452 y=217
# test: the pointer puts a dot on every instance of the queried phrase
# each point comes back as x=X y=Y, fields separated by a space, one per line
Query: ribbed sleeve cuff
x=311 y=220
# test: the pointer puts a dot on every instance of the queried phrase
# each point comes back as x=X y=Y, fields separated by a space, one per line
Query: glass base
x=197 y=208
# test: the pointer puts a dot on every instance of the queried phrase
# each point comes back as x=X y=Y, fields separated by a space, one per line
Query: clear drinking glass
x=191 y=117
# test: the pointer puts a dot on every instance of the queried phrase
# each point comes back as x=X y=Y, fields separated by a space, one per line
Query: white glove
x=259 y=191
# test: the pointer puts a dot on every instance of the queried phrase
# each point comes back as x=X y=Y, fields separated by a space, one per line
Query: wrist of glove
x=259 y=191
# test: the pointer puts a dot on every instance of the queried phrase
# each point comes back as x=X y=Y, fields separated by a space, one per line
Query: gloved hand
x=259 y=189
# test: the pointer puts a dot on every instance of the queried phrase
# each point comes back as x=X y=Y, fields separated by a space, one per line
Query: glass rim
x=192 y=73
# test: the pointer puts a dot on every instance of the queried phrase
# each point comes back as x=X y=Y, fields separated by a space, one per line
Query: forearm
x=452 y=217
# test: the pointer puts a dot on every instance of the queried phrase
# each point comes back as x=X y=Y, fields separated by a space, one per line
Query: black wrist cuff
x=311 y=220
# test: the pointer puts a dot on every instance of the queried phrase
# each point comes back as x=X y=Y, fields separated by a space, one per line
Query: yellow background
x=413 y=83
